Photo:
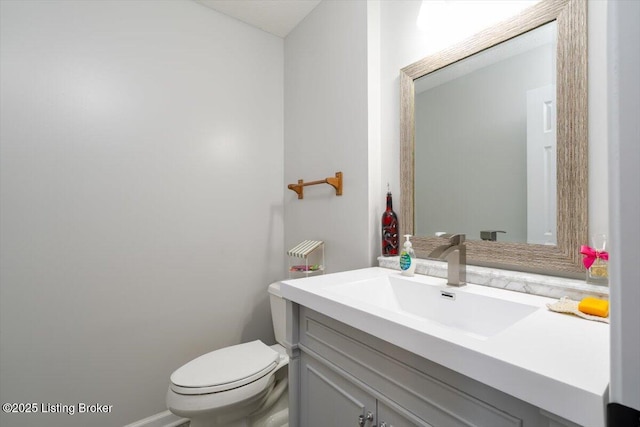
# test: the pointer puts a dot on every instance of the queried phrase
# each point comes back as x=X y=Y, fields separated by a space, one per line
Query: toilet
x=244 y=385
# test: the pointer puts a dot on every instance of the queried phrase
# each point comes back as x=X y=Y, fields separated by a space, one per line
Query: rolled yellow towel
x=594 y=306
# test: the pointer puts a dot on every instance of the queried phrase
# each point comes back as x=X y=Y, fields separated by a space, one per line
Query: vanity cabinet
x=397 y=417
x=329 y=398
x=346 y=377
x=342 y=402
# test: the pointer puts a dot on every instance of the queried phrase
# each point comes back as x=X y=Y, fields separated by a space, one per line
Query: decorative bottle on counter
x=598 y=271
x=389 y=229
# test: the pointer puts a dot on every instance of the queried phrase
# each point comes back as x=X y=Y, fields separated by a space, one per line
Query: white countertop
x=555 y=361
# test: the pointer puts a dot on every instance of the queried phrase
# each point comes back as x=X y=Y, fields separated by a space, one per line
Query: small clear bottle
x=598 y=273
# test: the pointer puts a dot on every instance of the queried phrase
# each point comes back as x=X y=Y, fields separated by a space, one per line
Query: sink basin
x=474 y=314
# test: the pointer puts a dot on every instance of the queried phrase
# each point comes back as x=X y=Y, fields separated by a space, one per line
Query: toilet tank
x=278 y=312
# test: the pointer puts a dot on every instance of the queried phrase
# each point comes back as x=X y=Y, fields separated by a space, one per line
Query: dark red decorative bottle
x=389 y=230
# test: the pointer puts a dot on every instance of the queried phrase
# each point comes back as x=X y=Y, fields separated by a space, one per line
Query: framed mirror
x=538 y=197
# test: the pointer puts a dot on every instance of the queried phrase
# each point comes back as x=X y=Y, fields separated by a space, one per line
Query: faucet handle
x=491 y=235
x=454 y=239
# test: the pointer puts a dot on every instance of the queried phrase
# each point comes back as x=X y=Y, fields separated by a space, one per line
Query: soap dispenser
x=407 y=258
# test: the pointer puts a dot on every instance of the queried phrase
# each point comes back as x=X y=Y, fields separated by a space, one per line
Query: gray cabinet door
x=398 y=417
x=327 y=399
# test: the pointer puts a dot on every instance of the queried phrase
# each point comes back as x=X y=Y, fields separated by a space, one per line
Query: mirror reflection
x=485 y=143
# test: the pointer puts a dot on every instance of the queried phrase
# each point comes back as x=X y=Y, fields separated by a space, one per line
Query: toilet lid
x=227 y=368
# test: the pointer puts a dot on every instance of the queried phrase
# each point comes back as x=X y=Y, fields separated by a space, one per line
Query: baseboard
x=163 y=419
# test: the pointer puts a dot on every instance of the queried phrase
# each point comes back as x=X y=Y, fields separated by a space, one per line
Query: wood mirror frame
x=572 y=141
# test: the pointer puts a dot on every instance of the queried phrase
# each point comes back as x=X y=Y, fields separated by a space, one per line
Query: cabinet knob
x=362 y=419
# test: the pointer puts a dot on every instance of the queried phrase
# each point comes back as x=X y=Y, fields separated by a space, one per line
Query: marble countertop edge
x=530 y=283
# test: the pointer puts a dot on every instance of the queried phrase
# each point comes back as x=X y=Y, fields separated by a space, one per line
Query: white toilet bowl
x=239 y=386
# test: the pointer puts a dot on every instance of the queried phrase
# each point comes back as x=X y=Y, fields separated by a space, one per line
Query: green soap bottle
x=407 y=258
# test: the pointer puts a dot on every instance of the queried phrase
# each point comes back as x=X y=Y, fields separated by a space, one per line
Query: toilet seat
x=225 y=369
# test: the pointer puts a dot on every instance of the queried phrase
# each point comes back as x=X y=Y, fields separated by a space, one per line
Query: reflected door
x=541 y=166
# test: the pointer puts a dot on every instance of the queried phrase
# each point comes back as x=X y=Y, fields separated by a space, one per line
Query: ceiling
x=277 y=17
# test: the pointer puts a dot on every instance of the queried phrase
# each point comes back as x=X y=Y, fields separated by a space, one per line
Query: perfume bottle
x=598 y=271
x=389 y=229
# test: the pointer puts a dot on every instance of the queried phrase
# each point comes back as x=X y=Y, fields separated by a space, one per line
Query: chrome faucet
x=455 y=253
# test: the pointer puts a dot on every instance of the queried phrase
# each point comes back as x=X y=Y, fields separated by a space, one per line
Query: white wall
x=402 y=43
x=141 y=198
x=326 y=131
